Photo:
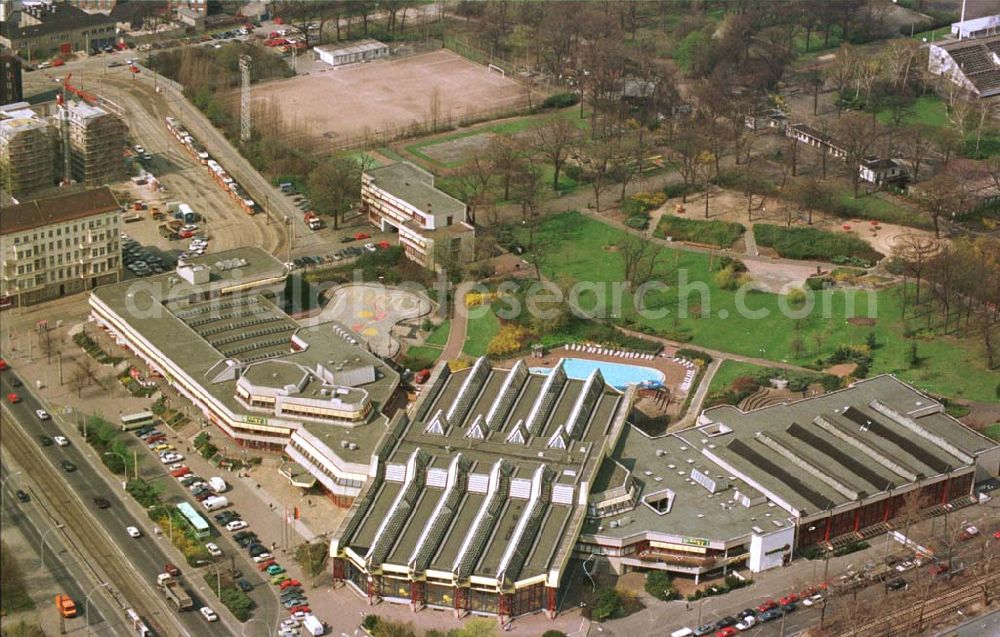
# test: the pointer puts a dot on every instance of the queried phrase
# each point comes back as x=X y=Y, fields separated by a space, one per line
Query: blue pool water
x=617 y=375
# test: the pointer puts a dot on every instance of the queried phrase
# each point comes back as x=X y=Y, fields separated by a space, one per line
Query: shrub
x=660 y=586
x=728 y=279
x=607 y=605
x=718 y=233
x=679 y=190
x=510 y=339
x=694 y=354
x=796 y=297
x=561 y=100
x=639 y=221
x=370 y=622
x=810 y=243
x=643 y=202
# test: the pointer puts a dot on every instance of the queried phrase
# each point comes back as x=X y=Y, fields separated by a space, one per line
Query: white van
x=215 y=502
x=208 y=614
x=682 y=632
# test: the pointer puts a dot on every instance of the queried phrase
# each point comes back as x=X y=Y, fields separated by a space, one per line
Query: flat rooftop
x=248 y=328
x=813 y=454
x=405 y=181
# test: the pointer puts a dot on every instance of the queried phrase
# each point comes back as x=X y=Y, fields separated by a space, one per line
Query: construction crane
x=64 y=121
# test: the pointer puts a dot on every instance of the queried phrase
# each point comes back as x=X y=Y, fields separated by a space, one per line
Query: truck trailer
x=173 y=591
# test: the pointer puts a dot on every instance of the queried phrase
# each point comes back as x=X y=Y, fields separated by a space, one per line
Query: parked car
x=904 y=566
x=275 y=569
x=263 y=557
x=748 y=622
x=172 y=570
x=213 y=549
x=896 y=584
x=811 y=601
x=701 y=631
x=279 y=578
x=766 y=606
x=728 y=631
x=236 y=525
x=770 y=615
x=289 y=583
x=244 y=585
x=968 y=533
x=266 y=564
x=13 y=398
x=726 y=621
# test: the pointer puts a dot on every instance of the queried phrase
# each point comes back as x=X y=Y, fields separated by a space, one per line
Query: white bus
x=135 y=421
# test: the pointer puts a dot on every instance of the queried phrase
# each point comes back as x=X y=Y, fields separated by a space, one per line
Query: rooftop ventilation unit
x=757 y=529
x=660 y=453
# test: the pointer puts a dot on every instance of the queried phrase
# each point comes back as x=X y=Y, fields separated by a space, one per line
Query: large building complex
x=96 y=144
x=60 y=245
x=213 y=330
x=479 y=494
x=433 y=227
x=27 y=151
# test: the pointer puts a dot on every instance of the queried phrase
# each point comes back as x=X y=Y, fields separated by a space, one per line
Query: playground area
x=388 y=97
x=372 y=312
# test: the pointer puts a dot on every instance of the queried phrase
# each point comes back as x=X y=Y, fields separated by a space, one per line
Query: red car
x=172 y=570
x=383 y=245
x=361 y=236
x=263 y=567
x=728 y=631
x=178 y=472
x=288 y=583
x=421 y=377
x=766 y=606
x=14 y=398
x=152 y=440
x=3 y=364
x=788 y=599
x=295 y=609
x=996 y=534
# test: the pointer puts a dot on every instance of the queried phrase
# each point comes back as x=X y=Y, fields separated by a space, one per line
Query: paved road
x=131 y=564
x=65 y=566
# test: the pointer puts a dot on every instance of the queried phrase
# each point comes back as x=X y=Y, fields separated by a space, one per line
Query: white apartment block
x=57 y=246
x=402 y=198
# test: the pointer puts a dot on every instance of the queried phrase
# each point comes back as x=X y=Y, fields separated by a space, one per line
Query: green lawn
x=575 y=247
x=929 y=110
x=504 y=127
x=440 y=335
x=419 y=357
x=873 y=207
x=730 y=371
x=932 y=111
x=483 y=325
x=993 y=431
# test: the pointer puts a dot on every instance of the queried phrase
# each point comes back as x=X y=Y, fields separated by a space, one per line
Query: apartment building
x=97 y=139
x=57 y=246
x=433 y=226
x=27 y=149
x=11 y=87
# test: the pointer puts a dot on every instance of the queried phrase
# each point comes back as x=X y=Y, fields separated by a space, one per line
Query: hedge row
x=810 y=243
x=718 y=233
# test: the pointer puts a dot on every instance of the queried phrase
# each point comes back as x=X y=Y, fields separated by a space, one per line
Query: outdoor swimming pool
x=617 y=375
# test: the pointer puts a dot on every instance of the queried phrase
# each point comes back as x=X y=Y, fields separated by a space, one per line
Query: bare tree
x=554 y=140
x=688 y=146
x=475 y=182
x=856 y=134
x=506 y=156
x=939 y=196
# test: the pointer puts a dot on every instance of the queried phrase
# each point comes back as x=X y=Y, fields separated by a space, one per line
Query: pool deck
x=673 y=372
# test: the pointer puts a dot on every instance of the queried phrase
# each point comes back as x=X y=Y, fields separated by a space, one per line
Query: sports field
x=345 y=102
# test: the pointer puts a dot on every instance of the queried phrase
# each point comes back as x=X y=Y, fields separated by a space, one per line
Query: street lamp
x=243 y=630
x=124 y=462
x=170 y=519
x=41 y=549
x=86 y=604
x=3 y=486
x=218 y=577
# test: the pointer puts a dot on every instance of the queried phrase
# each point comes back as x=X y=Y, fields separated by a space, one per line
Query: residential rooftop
x=43 y=212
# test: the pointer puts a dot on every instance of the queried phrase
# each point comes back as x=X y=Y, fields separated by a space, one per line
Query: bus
x=138 y=420
x=194 y=520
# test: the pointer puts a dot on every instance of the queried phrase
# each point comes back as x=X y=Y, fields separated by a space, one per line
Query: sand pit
x=345 y=102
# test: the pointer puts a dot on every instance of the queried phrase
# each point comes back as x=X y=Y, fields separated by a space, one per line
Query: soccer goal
x=493 y=68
